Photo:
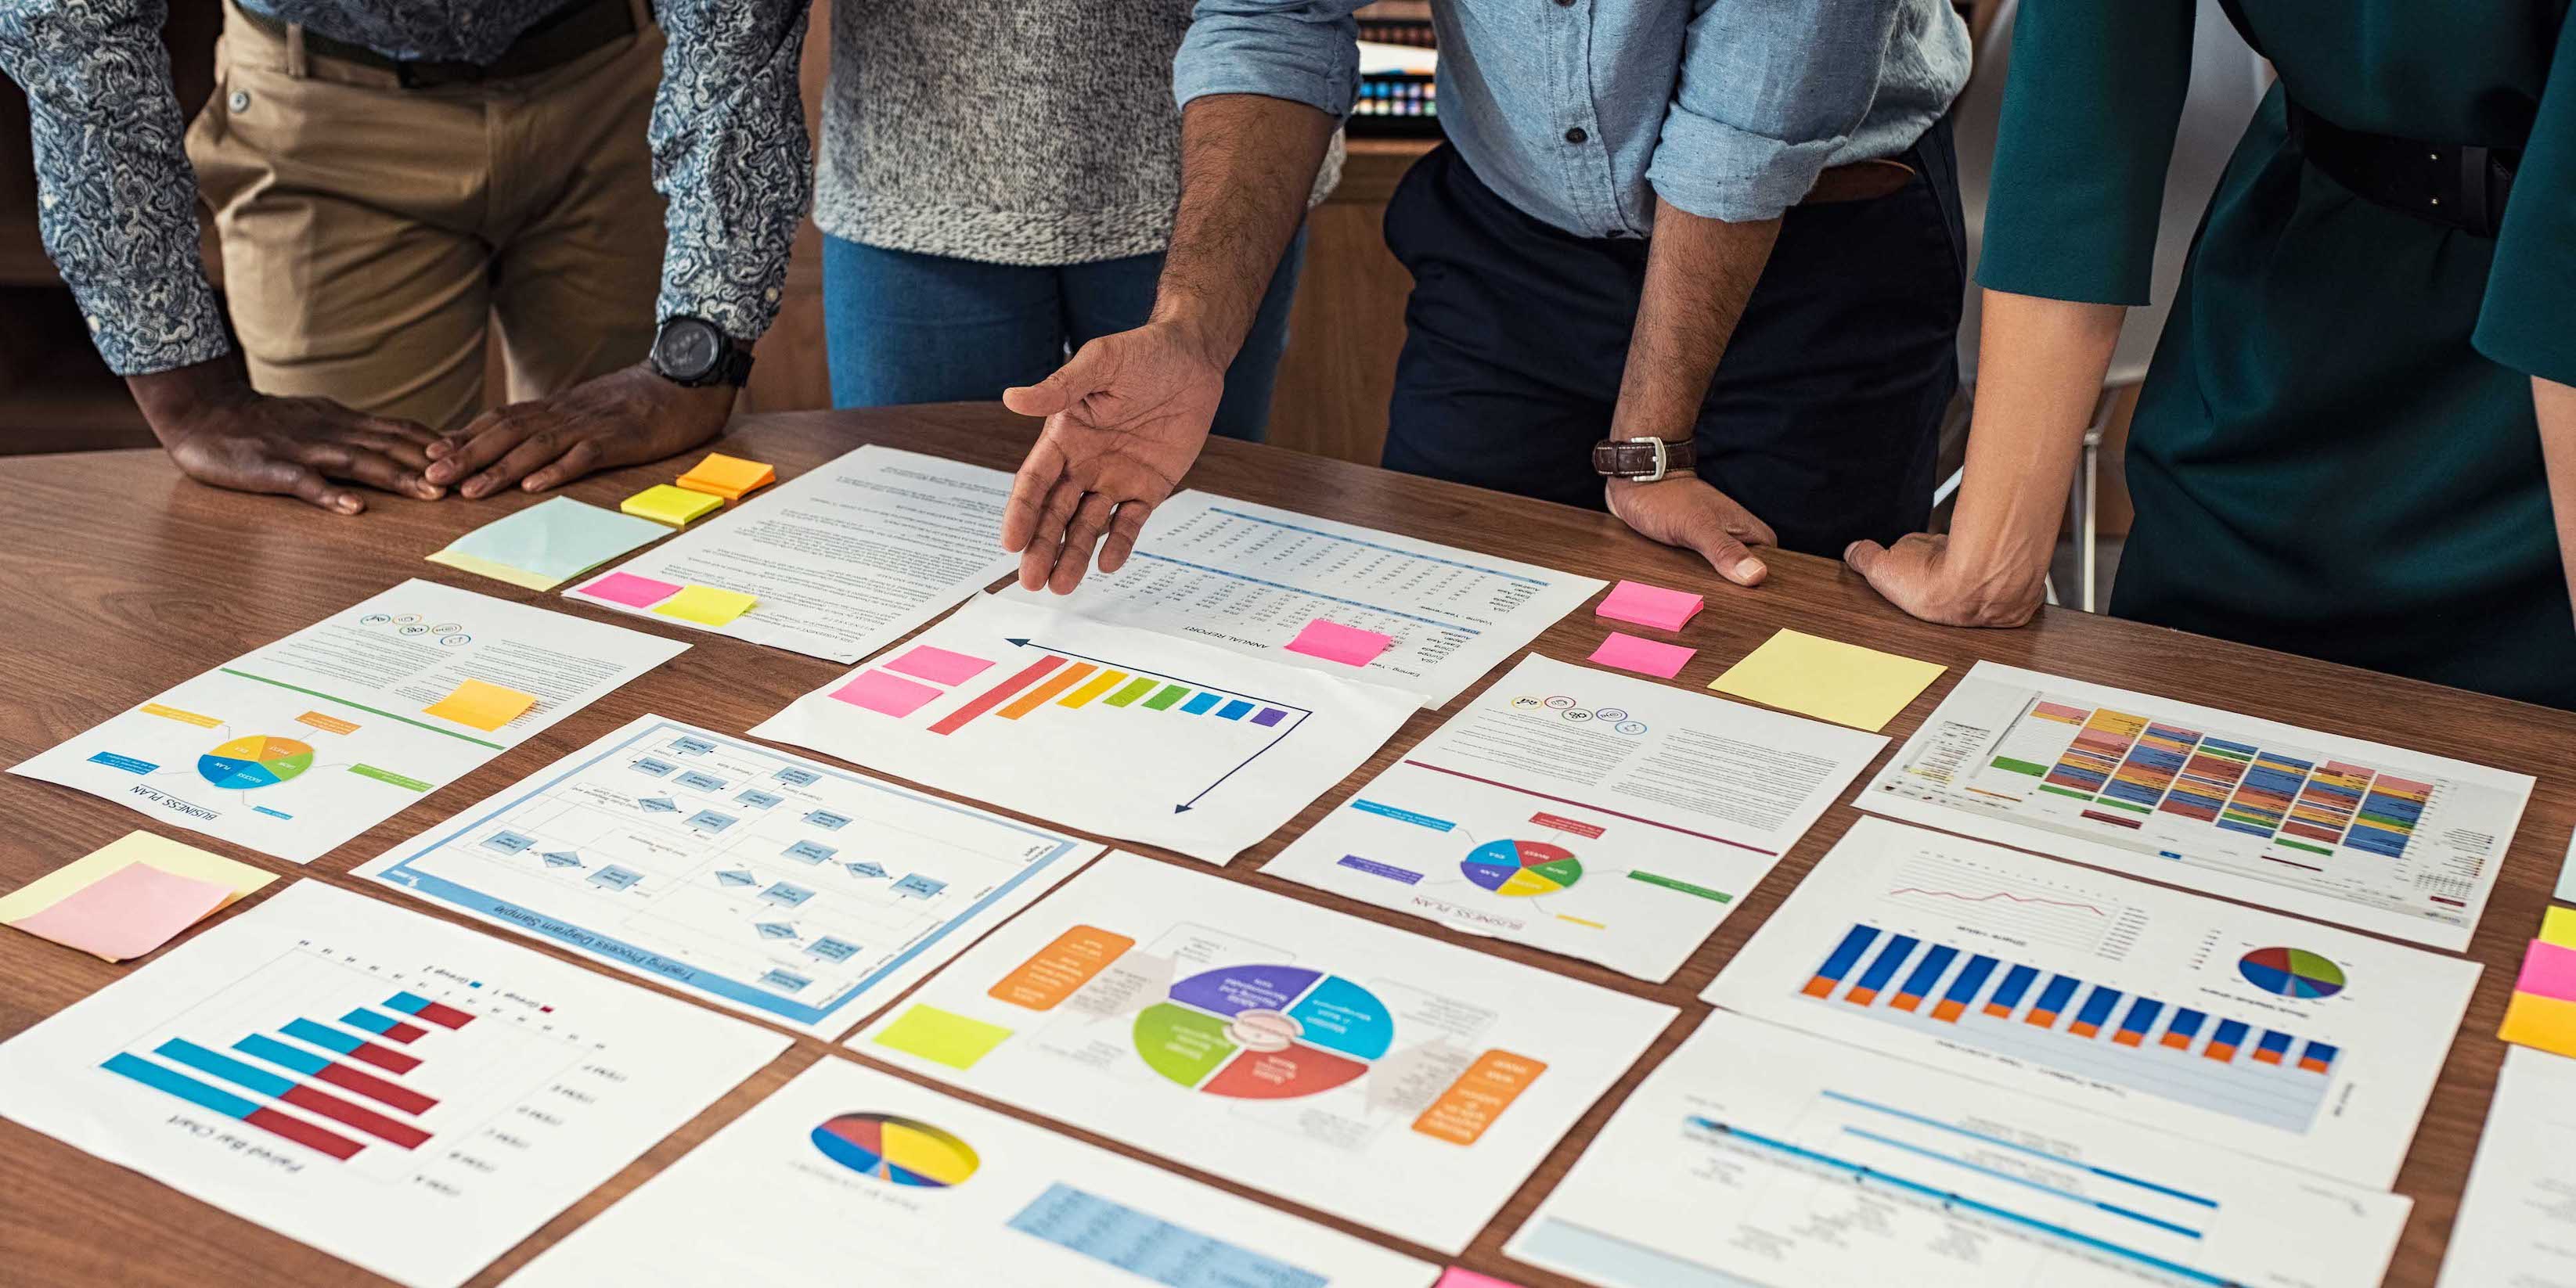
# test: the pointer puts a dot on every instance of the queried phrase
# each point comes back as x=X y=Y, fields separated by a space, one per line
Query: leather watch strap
x=1644 y=459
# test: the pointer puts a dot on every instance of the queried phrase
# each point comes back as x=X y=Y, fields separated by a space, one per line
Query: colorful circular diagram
x=1520 y=869
x=1264 y=1032
x=898 y=1151
x=2291 y=972
x=255 y=761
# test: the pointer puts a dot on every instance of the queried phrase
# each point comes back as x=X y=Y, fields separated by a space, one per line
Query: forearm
x=1247 y=164
x=2039 y=378
x=730 y=153
x=1699 y=273
x=2555 y=405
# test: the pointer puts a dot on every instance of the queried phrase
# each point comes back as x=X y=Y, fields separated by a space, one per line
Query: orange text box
x=327 y=724
x=183 y=717
x=1051 y=974
x=1479 y=1096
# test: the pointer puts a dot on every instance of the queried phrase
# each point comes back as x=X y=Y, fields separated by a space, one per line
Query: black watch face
x=688 y=349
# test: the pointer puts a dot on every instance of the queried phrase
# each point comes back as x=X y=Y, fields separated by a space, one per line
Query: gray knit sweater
x=1006 y=131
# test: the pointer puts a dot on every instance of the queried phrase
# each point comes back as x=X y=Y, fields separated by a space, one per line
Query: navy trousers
x=1825 y=414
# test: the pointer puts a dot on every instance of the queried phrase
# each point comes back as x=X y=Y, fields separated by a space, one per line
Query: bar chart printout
x=1756 y=1153
x=2338 y=828
x=351 y=1074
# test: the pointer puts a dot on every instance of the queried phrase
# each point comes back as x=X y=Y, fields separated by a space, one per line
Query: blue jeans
x=907 y=328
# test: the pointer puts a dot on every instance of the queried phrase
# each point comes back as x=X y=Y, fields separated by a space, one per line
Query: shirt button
x=1565 y=4
x=240 y=101
x=1576 y=135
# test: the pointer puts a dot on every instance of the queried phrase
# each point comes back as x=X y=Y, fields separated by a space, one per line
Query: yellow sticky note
x=478 y=705
x=2543 y=1022
x=134 y=847
x=942 y=1037
x=2558 y=926
x=706 y=605
x=1844 y=683
x=727 y=476
x=663 y=503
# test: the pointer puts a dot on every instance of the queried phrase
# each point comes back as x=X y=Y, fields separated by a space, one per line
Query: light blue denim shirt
x=1581 y=112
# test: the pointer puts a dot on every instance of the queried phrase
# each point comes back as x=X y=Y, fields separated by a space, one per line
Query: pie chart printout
x=2291 y=972
x=1262 y=1032
x=898 y=1151
x=1520 y=869
x=255 y=761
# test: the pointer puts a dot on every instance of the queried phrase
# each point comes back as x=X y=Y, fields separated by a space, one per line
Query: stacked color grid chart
x=2254 y=1072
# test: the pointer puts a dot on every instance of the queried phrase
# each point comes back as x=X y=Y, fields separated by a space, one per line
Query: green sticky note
x=943 y=1037
x=549 y=543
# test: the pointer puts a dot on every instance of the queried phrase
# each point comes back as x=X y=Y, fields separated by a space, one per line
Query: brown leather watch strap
x=1636 y=458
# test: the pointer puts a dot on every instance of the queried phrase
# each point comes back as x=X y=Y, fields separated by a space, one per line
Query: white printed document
x=297 y=748
x=773 y=884
x=1757 y=1155
x=2336 y=828
x=843 y=558
x=1608 y=818
x=851 y=1176
x=2242 y=1029
x=2517 y=1222
x=403 y=1094
x=1401 y=1083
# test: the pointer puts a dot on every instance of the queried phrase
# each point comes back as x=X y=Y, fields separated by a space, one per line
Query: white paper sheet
x=1386 y=1078
x=2242 y=1029
x=848 y=1168
x=2348 y=831
x=296 y=748
x=2517 y=1222
x=1106 y=728
x=846 y=557
x=403 y=1094
x=1604 y=817
x=1249 y=577
x=776 y=885
x=1758 y=1155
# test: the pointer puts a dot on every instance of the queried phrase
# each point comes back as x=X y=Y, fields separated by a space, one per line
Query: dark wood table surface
x=122 y=578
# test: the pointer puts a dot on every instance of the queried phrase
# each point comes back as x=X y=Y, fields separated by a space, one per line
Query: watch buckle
x=1663 y=459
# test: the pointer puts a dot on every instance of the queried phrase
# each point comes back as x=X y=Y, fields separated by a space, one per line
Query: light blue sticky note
x=549 y=543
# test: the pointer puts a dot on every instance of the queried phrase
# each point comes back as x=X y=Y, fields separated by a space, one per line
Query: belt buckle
x=1663 y=459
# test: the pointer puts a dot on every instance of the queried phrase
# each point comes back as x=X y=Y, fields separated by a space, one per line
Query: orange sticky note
x=478 y=705
x=2544 y=1023
x=729 y=477
x=128 y=912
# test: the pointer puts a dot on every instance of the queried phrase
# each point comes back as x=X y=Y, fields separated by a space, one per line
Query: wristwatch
x=1643 y=460
x=695 y=352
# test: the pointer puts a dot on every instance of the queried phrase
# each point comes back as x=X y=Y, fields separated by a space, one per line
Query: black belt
x=2458 y=186
x=556 y=39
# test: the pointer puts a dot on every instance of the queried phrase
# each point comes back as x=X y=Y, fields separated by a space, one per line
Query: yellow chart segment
x=947 y=1161
x=1525 y=883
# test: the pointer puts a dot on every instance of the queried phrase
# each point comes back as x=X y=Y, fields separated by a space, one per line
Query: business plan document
x=848 y=1175
x=2349 y=831
x=844 y=558
x=1584 y=812
x=2242 y=1029
x=1758 y=1155
x=406 y=1095
x=296 y=748
x=1405 y=1084
x=1249 y=578
x=2517 y=1222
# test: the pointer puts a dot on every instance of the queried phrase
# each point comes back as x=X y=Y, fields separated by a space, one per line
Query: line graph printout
x=2337 y=828
x=1759 y=1155
x=1106 y=728
x=1588 y=813
x=407 y=1095
x=2243 y=1029
x=1249 y=577
x=851 y=1176
x=770 y=883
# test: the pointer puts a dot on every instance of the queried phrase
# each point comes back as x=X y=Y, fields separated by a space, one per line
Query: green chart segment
x=1521 y=869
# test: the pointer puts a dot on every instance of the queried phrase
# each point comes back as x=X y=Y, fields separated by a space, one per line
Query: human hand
x=221 y=432
x=1682 y=510
x=1124 y=420
x=626 y=417
x=1921 y=575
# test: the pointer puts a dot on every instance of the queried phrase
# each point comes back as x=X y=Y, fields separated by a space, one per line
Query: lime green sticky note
x=942 y=1037
x=663 y=503
x=2558 y=926
x=706 y=605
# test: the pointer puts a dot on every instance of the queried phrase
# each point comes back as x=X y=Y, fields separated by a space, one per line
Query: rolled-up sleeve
x=1305 y=51
x=117 y=200
x=2525 y=322
x=1769 y=91
x=730 y=152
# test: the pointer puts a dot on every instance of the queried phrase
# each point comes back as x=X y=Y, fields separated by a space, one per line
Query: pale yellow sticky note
x=481 y=567
x=676 y=506
x=727 y=476
x=943 y=1037
x=134 y=847
x=478 y=705
x=2558 y=926
x=706 y=605
x=2543 y=1022
x=1844 y=683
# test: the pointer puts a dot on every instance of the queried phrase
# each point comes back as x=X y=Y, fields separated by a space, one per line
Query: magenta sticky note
x=1635 y=601
x=1462 y=1277
x=1645 y=657
x=628 y=589
x=885 y=694
x=128 y=912
x=2549 y=970
x=1335 y=642
x=938 y=665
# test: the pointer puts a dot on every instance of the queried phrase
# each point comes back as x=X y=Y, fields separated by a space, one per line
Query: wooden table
x=124 y=578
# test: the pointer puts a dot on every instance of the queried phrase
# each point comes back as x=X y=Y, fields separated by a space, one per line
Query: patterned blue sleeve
x=118 y=199
x=730 y=152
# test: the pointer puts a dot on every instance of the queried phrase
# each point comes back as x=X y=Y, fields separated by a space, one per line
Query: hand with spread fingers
x=219 y=431
x=1685 y=511
x=626 y=417
x=1923 y=575
x=1125 y=417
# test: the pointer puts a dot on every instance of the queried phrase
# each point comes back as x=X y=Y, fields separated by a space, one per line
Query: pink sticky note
x=1645 y=657
x=1335 y=642
x=1462 y=1277
x=128 y=912
x=885 y=694
x=628 y=589
x=938 y=665
x=1635 y=601
x=2548 y=970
